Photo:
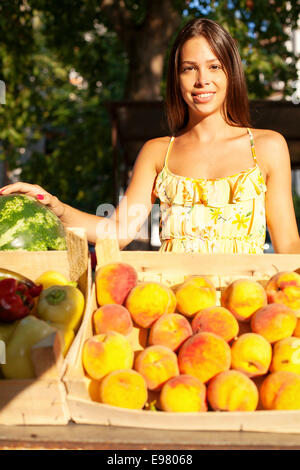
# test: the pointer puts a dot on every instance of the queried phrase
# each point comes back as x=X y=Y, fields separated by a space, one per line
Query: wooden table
x=90 y=437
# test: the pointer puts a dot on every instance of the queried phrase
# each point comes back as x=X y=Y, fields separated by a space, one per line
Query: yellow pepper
x=61 y=304
x=7 y=329
x=29 y=331
x=53 y=278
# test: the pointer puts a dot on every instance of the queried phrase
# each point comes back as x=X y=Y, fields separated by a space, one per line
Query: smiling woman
x=220 y=182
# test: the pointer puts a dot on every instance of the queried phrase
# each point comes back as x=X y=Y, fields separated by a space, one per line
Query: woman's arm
x=280 y=213
x=126 y=220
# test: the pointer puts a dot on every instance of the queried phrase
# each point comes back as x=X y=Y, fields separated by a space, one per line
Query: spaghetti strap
x=252 y=145
x=169 y=150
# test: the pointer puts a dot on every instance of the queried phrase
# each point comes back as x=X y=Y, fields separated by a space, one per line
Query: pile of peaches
x=184 y=349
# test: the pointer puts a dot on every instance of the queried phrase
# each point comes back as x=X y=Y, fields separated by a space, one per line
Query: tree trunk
x=147 y=48
x=146 y=44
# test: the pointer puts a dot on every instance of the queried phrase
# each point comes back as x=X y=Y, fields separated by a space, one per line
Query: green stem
x=56 y=296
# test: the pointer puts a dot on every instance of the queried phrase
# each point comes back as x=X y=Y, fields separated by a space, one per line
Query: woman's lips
x=203 y=97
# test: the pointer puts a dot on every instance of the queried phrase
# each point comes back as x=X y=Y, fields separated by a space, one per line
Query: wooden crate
x=172 y=268
x=43 y=400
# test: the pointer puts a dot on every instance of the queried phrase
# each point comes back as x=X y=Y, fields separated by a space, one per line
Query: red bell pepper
x=16 y=298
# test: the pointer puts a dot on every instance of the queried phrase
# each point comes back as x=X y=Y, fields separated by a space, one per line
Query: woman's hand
x=37 y=192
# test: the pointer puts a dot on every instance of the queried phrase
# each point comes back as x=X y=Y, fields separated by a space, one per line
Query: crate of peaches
x=190 y=341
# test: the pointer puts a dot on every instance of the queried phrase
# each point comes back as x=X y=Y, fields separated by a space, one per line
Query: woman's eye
x=216 y=67
x=187 y=68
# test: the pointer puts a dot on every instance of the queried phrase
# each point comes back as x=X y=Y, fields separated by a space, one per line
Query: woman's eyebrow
x=194 y=62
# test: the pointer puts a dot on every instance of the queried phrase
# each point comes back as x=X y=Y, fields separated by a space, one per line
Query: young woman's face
x=203 y=80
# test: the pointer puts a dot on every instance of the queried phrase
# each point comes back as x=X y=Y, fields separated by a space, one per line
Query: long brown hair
x=236 y=106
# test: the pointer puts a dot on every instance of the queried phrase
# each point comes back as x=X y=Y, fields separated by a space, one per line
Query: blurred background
x=85 y=83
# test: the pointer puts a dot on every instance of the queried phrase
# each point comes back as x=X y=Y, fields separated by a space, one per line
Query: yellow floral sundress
x=220 y=215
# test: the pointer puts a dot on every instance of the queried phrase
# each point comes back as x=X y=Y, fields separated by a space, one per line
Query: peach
x=258 y=380
x=157 y=364
x=148 y=301
x=286 y=355
x=232 y=390
x=112 y=317
x=204 y=355
x=243 y=297
x=281 y=391
x=297 y=329
x=251 y=354
x=284 y=288
x=93 y=389
x=104 y=353
x=125 y=388
x=194 y=294
x=184 y=393
x=113 y=282
x=170 y=330
x=274 y=322
x=217 y=320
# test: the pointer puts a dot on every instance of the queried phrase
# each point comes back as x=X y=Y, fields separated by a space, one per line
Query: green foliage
x=41 y=102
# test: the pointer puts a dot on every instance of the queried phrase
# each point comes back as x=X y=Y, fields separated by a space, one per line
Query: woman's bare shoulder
x=269 y=139
x=157 y=143
x=156 y=149
x=271 y=148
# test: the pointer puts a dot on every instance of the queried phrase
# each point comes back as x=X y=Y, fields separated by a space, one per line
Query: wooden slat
x=33 y=402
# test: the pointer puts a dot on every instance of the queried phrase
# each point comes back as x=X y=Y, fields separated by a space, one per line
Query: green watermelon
x=26 y=224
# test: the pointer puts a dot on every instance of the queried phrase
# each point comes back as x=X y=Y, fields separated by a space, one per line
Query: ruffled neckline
x=176 y=189
x=241 y=173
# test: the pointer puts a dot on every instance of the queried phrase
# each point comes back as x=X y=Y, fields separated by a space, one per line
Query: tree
x=145 y=29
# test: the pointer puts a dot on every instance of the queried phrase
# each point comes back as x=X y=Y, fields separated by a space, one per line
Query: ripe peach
x=204 y=355
x=93 y=389
x=157 y=364
x=243 y=297
x=112 y=317
x=217 y=320
x=251 y=353
x=194 y=294
x=274 y=322
x=113 y=283
x=232 y=390
x=281 y=391
x=104 y=353
x=286 y=355
x=284 y=288
x=297 y=329
x=125 y=388
x=184 y=393
x=171 y=330
x=148 y=301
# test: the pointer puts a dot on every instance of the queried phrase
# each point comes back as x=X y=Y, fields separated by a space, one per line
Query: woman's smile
x=203 y=97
